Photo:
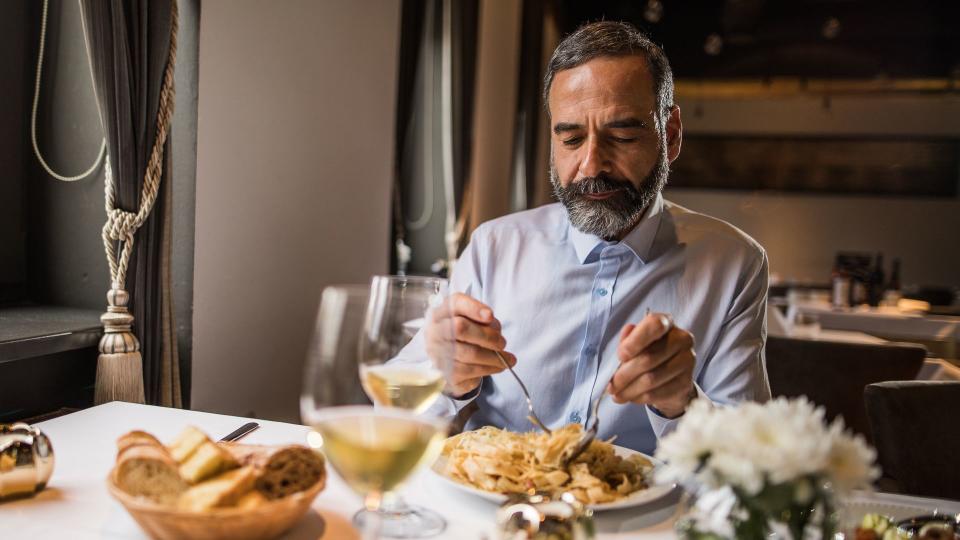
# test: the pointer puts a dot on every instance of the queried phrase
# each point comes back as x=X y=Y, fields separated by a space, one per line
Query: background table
x=76 y=504
x=939 y=333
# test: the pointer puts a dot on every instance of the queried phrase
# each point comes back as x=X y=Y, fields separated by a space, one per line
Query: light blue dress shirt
x=563 y=297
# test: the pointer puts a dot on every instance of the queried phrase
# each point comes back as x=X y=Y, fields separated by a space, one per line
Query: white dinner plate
x=644 y=496
x=854 y=508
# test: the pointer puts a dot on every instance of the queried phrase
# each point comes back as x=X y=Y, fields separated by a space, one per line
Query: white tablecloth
x=76 y=504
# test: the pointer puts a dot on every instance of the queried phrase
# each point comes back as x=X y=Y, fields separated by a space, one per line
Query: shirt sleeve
x=735 y=370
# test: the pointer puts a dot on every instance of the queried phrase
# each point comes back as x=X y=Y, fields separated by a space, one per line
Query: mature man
x=612 y=283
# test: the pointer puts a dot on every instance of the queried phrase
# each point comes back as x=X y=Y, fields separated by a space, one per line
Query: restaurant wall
x=13 y=144
x=66 y=264
x=802 y=232
x=294 y=168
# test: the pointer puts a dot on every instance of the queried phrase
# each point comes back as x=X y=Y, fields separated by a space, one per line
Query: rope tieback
x=121 y=225
x=119 y=366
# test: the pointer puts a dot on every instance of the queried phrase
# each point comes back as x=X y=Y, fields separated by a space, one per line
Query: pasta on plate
x=501 y=461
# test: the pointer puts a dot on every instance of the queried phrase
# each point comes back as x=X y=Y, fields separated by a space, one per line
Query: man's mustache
x=601 y=183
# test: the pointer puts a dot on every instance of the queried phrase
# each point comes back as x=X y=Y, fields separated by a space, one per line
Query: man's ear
x=674 y=133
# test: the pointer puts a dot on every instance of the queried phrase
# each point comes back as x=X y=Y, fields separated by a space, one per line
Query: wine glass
x=394 y=371
x=398 y=373
x=373 y=449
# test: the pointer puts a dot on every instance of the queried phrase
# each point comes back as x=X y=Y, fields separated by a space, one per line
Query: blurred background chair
x=834 y=374
x=914 y=426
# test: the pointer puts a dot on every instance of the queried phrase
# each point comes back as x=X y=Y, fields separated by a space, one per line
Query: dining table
x=884 y=322
x=76 y=504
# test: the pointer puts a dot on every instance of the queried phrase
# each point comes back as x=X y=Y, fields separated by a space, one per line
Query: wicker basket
x=268 y=520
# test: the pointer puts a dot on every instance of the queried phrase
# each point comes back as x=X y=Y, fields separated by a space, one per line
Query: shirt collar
x=639 y=240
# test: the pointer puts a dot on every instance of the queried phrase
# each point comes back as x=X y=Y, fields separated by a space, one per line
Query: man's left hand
x=656 y=366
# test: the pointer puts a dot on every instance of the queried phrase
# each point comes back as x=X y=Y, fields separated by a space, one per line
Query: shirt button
x=602 y=292
x=575 y=417
x=590 y=351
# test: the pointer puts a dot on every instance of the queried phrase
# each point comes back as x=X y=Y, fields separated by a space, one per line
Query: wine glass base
x=410 y=522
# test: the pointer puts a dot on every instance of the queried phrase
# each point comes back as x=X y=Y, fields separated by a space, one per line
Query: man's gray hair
x=609 y=38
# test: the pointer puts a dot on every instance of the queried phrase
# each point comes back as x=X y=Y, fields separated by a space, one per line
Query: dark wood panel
x=883 y=166
x=38 y=385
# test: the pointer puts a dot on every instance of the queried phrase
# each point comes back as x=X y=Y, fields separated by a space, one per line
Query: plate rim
x=866 y=505
x=637 y=499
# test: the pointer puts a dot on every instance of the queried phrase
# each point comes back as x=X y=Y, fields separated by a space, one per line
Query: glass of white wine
x=373 y=449
x=399 y=374
x=394 y=368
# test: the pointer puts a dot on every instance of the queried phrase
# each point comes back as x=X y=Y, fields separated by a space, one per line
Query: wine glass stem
x=371 y=525
x=393 y=503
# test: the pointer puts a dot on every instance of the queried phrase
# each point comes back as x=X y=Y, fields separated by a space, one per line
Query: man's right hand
x=477 y=335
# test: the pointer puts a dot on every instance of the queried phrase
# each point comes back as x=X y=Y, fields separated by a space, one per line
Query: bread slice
x=281 y=470
x=189 y=440
x=208 y=460
x=224 y=490
x=136 y=438
x=252 y=499
x=149 y=471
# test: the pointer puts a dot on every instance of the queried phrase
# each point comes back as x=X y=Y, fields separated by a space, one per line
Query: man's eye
x=572 y=141
x=623 y=139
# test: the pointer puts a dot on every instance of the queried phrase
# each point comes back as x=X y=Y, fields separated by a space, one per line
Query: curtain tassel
x=120 y=365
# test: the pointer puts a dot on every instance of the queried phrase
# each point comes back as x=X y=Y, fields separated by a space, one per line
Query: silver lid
x=526 y=517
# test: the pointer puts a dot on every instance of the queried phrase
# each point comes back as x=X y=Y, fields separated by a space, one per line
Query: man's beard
x=612 y=217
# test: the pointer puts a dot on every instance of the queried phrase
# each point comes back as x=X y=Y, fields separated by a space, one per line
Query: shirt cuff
x=662 y=425
x=464 y=400
x=448 y=406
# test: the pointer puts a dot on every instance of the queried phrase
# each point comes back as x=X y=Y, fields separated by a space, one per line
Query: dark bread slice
x=281 y=470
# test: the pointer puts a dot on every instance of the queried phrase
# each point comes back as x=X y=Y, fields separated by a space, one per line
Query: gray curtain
x=426 y=169
x=130 y=44
x=498 y=136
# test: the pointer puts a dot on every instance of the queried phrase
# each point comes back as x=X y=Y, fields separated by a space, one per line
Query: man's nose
x=595 y=159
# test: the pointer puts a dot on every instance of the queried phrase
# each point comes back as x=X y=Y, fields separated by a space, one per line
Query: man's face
x=608 y=162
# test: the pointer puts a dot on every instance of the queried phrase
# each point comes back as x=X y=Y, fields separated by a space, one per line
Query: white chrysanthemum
x=777 y=442
x=716 y=511
x=850 y=464
x=736 y=470
x=685 y=447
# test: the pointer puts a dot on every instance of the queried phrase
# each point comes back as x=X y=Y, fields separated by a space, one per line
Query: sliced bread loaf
x=149 y=471
x=187 y=443
x=224 y=490
x=207 y=461
x=136 y=438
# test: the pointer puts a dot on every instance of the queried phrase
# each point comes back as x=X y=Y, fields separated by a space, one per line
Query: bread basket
x=268 y=520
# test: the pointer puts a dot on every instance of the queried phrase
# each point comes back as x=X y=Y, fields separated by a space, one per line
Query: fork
x=590 y=434
x=532 y=416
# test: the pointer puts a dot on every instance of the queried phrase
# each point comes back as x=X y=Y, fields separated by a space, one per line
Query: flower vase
x=803 y=509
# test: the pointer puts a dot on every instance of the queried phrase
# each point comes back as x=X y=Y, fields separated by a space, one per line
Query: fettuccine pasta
x=505 y=462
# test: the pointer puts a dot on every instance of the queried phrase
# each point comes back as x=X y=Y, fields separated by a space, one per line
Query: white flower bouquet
x=773 y=467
